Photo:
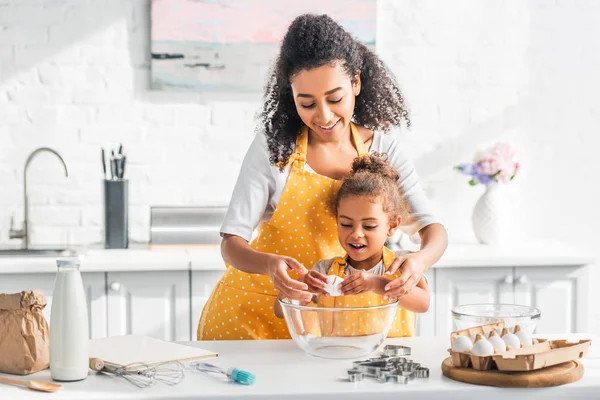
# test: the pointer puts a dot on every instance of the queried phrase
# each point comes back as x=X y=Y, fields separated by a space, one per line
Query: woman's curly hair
x=374 y=177
x=311 y=42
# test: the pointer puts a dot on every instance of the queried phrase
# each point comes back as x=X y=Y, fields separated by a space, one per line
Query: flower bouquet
x=491 y=213
x=497 y=164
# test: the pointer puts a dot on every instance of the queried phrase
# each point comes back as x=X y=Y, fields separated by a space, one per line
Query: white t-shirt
x=323 y=266
x=260 y=184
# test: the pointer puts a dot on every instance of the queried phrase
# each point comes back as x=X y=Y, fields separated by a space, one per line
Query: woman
x=327 y=101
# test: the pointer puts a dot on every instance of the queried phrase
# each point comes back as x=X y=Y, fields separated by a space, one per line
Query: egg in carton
x=489 y=340
x=462 y=342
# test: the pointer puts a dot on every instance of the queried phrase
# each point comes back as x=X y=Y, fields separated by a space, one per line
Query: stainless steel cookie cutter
x=396 y=350
x=391 y=366
x=355 y=375
x=422 y=372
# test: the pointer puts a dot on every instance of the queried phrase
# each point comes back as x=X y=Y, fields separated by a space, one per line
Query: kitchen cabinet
x=559 y=292
x=203 y=283
x=456 y=286
x=150 y=303
x=94 y=285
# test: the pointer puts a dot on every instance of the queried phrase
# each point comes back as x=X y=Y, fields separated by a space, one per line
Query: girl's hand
x=411 y=268
x=357 y=283
x=316 y=281
x=278 y=268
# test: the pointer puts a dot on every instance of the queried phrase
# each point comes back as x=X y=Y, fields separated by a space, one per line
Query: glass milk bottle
x=68 y=324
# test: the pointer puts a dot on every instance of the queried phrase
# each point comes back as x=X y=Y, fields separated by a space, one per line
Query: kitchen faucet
x=23 y=233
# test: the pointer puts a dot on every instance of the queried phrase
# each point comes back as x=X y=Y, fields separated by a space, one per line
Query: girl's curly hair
x=374 y=177
x=311 y=42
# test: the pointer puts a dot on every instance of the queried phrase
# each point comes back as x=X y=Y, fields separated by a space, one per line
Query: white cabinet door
x=459 y=286
x=155 y=304
x=95 y=291
x=203 y=283
x=560 y=293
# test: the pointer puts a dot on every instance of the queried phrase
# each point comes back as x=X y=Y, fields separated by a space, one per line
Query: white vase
x=490 y=215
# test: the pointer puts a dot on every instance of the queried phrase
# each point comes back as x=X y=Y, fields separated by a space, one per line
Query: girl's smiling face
x=324 y=99
x=363 y=228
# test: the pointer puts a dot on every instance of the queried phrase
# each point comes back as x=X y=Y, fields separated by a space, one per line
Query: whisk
x=233 y=374
x=140 y=374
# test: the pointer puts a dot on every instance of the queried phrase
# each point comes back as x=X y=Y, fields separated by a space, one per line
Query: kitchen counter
x=283 y=371
x=208 y=258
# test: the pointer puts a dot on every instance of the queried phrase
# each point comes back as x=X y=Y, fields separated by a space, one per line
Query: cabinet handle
x=115 y=286
x=509 y=280
x=523 y=279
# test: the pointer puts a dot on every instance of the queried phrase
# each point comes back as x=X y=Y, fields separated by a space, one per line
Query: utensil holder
x=116 y=216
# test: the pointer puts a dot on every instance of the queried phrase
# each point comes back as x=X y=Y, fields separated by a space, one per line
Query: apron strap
x=358 y=143
x=299 y=154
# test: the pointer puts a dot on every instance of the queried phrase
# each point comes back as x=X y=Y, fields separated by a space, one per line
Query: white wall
x=74 y=76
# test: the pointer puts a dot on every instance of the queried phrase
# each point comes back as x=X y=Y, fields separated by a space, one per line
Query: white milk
x=68 y=324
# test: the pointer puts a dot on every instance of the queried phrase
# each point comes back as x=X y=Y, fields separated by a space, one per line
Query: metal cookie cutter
x=422 y=372
x=409 y=374
x=371 y=369
x=355 y=375
x=392 y=350
x=390 y=375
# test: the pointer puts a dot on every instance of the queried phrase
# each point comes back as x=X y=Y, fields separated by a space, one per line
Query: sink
x=38 y=252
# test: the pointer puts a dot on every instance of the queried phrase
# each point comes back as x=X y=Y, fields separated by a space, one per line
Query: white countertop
x=283 y=371
x=208 y=258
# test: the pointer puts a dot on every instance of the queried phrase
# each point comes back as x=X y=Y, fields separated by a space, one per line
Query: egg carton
x=542 y=353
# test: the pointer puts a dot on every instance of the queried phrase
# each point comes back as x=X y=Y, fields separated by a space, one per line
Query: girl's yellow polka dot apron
x=352 y=323
x=241 y=305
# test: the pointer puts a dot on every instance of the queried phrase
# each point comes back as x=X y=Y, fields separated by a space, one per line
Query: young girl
x=329 y=99
x=369 y=207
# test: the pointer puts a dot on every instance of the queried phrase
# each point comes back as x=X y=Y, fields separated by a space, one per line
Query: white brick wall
x=74 y=76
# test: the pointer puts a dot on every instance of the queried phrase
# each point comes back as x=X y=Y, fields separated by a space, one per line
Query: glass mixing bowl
x=338 y=332
x=469 y=315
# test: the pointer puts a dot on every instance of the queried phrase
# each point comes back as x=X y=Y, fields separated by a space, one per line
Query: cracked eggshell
x=462 y=343
x=333 y=285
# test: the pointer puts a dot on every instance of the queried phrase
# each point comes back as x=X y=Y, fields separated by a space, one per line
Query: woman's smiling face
x=324 y=99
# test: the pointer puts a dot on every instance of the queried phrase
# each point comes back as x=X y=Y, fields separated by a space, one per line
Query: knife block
x=116 y=216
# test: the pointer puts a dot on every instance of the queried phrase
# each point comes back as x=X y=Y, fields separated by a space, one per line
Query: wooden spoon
x=34 y=385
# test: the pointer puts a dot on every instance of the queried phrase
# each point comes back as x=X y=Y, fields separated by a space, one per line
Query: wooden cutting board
x=550 y=376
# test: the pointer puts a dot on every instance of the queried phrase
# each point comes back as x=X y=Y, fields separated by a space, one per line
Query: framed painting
x=228 y=46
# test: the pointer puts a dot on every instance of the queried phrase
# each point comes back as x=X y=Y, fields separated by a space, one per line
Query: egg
x=497 y=342
x=482 y=348
x=511 y=339
x=333 y=285
x=524 y=337
x=462 y=343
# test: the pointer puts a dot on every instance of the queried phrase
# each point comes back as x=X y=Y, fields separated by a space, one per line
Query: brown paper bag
x=24 y=334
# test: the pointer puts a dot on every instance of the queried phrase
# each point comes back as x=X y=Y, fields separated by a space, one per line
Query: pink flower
x=501 y=161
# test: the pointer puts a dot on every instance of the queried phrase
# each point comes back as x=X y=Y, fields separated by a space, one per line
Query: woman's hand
x=278 y=268
x=316 y=281
x=357 y=283
x=412 y=268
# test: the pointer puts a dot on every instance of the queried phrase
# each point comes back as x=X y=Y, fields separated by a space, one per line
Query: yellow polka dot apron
x=241 y=305
x=354 y=323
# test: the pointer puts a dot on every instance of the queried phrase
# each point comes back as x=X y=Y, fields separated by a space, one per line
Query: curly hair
x=311 y=42
x=374 y=177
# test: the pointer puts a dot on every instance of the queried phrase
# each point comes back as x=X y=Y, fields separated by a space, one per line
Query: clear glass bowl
x=469 y=315
x=338 y=332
